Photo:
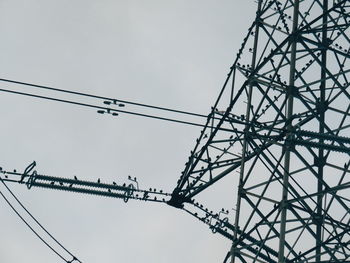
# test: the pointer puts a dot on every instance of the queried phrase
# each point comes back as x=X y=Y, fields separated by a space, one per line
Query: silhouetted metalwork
x=285 y=130
x=282 y=122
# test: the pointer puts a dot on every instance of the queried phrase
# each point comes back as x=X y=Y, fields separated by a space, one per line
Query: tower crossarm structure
x=280 y=128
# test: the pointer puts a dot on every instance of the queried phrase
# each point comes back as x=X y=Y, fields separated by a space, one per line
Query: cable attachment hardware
x=135 y=181
x=129 y=192
x=31 y=179
x=27 y=171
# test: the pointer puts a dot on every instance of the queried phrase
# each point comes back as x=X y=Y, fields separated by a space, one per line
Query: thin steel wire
x=36 y=221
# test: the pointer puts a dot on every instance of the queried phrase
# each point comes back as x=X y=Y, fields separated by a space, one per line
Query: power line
x=106 y=109
x=100 y=107
x=41 y=226
x=102 y=97
x=9 y=203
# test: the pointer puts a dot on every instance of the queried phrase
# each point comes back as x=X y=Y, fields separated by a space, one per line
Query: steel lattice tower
x=282 y=121
x=279 y=128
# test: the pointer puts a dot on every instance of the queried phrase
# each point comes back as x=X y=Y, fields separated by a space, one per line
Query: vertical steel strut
x=287 y=149
x=246 y=129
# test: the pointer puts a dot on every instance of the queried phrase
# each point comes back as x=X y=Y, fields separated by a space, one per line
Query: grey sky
x=168 y=53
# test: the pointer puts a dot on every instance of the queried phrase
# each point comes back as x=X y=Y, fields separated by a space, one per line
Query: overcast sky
x=168 y=53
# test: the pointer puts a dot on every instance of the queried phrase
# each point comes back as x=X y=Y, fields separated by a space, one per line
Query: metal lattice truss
x=286 y=132
x=281 y=122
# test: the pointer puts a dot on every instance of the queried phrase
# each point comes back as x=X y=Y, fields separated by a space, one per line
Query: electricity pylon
x=282 y=121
